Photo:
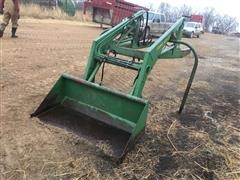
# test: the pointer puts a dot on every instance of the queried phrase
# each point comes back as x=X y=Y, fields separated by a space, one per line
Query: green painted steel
x=68 y=6
x=127 y=112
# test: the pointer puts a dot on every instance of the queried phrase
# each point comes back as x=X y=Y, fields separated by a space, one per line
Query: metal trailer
x=196 y=18
x=111 y=12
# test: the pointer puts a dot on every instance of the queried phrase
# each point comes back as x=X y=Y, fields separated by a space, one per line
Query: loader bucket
x=109 y=119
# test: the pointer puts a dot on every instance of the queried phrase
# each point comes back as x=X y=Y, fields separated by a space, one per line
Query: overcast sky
x=230 y=7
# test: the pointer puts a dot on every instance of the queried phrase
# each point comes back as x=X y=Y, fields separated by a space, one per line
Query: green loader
x=101 y=114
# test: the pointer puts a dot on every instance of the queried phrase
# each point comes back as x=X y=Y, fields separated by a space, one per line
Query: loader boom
x=130 y=44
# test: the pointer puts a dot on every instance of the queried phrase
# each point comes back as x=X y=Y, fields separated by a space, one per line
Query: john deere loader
x=102 y=114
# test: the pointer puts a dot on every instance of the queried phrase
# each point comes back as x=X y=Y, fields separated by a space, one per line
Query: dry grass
x=38 y=12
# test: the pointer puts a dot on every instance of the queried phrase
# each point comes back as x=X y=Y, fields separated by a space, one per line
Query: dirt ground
x=201 y=143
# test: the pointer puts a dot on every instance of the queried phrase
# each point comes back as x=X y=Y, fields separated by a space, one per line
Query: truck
x=192 y=29
x=197 y=21
x=157 y=23
x=111 y=12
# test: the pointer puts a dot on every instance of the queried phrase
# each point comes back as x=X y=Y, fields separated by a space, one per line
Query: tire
x=147 y=32
x=191 y=35
x=198 y=36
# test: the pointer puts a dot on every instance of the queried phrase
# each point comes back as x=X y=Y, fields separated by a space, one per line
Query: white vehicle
x=192 y=29
x=156 y=23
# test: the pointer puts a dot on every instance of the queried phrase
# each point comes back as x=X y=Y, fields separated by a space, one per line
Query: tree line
x=223 y=23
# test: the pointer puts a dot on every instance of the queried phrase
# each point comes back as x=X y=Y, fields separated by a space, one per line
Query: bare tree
x=165 y=8
x=226 y=23
x=175 y=15
x=209 y=17
x=150 y=6
x=185 y=10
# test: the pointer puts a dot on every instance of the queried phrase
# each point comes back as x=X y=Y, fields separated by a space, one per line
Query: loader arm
x=126 y=39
